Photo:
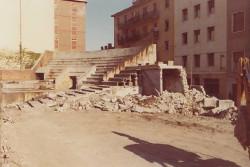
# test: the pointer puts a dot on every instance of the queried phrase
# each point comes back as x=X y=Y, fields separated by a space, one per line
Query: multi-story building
x=238 y=38
x=147 y=21
x=210 y=37
x=201 y=42
x=70 y=25
x=205 y=36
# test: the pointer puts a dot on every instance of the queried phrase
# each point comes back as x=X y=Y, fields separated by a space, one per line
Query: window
x=167 y=3
x=238 y=22
x=154 y=7
x=125 y=18
x=185 y=14
x=185 y=38
x=74 y=11
x=145 y=11
x=210 y=33
x=74 y=44
x=197 y=59
x=56 y=43
x=211 y=6
x=236 y=56
x=118 y=20
x=184 y=61
x=74 y=29
x=166 y=45
x=210 y=59
x=166 y=25
x=145 y=30
x=197 y=10
x=197 y=34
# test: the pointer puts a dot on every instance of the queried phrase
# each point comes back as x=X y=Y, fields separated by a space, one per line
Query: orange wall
x=17 y=75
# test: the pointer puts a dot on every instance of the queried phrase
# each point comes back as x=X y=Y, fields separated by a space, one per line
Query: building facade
x=205 y=36
x=238 y=34
x=201 y=42
x=147 y=21
x=70 y=16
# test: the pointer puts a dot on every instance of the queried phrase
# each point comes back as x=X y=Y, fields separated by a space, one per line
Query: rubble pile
x=193 y=102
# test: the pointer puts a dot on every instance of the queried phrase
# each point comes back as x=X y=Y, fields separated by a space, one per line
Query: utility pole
x=20 y=28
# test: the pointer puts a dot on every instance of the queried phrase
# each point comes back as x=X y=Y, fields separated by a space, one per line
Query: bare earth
x=92 y=139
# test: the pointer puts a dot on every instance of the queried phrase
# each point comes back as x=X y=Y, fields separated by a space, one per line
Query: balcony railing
x=150 y=37
x=148 y=16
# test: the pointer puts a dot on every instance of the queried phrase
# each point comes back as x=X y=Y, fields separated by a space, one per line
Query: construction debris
x=194 y=102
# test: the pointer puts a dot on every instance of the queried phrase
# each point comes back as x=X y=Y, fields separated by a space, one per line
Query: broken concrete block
x=226 y=104
x=210 y=102
x=137 y=109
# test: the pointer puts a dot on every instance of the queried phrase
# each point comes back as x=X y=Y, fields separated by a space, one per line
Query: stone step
x=128 y=72
x=126 y=75
x=96 y=88
x=91 y=82
x=104 y=68
x=35 y=104
x=80 y=92
x=119 y=79
x=95 y=79
x=98 y=75
x=110 y=83
x=88 y=90
x=70 y=93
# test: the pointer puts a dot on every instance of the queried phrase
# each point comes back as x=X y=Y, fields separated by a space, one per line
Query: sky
x=38 y=25
x=100 y=26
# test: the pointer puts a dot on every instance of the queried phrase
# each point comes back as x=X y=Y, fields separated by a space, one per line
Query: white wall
x=218 y=46
x=38 y=24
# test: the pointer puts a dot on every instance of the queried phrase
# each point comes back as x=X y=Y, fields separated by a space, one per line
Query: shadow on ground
x=165 y=155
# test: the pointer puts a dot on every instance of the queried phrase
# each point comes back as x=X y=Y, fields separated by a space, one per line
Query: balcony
x=134 y=21
x=138 y=39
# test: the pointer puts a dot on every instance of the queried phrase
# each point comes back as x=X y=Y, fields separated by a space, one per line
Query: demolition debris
x=194 y=102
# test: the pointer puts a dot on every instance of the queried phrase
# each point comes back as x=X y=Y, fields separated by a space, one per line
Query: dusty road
x=93 y=139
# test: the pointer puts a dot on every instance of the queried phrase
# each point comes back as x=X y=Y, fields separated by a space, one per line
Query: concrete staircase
x=107 y=67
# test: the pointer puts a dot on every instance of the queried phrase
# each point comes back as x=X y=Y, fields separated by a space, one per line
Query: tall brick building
x=70 y=16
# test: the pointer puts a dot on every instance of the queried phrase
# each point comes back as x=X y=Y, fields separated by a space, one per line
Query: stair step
x=96 y=88
x=97 y=75
x=80 y=92
x=88 y=90
x=125 y=75
x=110 y=83
x=35 y=104
x=118 y=79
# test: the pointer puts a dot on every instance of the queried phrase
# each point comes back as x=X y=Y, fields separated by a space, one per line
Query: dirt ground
x=90 y=139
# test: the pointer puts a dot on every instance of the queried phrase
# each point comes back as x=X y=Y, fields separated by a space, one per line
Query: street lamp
x=20 y=45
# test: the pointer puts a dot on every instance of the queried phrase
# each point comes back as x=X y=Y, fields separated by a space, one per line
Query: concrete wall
x=17 y=75
x=17 y=97
x=43 y=60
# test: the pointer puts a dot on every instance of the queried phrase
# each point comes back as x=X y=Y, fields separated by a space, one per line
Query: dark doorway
x=74 y=82
x=40 y=76
x=212 y=87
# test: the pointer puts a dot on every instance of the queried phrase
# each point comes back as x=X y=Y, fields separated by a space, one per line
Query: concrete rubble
x=193 y=102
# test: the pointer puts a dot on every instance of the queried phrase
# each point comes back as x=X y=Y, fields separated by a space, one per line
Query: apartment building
x=147 y=21
x=238 y=37
x=201 y=43
x=210 y=37
x=70 y=16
